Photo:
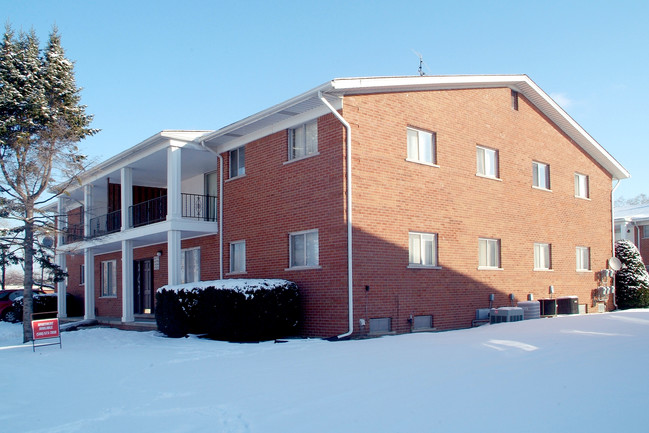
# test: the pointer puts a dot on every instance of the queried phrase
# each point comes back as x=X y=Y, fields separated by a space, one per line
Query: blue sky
x=152 y=65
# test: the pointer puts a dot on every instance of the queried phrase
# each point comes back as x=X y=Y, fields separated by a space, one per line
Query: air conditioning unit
x=568 y=305
x=548 y=307
x=506 y=314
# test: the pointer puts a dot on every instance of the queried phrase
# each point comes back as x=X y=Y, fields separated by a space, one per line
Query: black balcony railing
x=73 y=233
x=148 y=212
x=105 y=224
x=200 y=207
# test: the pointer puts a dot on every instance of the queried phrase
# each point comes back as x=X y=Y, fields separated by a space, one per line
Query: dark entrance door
x=143 y=286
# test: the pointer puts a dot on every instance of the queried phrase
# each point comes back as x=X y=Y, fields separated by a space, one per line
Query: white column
x=127 y=281
x=87 y=206
x=126 y=195
x=173 y=257
x=61 y=288
x=60 y=259
x=89 y=289
x=173 y=183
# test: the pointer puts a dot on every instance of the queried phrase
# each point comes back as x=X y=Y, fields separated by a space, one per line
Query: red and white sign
x=45 y=328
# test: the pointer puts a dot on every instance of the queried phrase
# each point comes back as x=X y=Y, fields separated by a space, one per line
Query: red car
x=7 y=297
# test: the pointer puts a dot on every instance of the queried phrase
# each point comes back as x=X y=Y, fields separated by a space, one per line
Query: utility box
x=568 y=305
x=506 y=314
x=548 y=307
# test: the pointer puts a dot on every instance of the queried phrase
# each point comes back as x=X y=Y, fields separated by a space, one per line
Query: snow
x=245 y=286
x=571 y=373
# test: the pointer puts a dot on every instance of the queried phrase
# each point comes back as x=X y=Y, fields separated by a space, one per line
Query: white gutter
x=220 y=208
x=350 y=281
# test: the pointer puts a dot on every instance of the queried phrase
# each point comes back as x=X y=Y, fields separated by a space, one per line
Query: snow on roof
x=239 y=285
x=632 y=213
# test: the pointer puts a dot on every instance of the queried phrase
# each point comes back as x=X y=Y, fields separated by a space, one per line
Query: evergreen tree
x=41 y=122
x=632 y=281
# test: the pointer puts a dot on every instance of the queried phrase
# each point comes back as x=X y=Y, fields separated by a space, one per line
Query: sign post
x=45 y=329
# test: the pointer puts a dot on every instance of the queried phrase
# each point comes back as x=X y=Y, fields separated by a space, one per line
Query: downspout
x=220 y=208
x=350 y=281
x=613 y=234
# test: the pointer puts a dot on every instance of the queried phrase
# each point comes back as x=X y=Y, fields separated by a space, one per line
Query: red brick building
x=396 y=204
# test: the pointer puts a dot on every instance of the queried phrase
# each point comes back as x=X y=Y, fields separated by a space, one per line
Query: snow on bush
x=232 y=310
x=632 y=281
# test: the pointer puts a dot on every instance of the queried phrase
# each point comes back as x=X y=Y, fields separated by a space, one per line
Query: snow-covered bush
x=232 y=310
x=632 y=281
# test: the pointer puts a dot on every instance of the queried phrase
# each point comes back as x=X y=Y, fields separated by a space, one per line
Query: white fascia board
x=290 y=122
x=267 y=112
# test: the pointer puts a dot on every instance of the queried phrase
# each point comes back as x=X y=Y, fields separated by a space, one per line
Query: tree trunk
x=28 y=282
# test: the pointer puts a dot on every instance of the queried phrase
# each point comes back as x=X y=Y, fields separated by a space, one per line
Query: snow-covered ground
x=568 y=374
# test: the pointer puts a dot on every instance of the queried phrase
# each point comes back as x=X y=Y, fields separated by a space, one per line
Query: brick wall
x=393 y=196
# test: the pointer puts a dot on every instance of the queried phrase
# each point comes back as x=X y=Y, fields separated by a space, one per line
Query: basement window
x=422 y=323
x=381 y=325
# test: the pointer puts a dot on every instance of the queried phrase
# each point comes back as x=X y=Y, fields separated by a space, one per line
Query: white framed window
x=422 y=249
x=581 y=186
x=489 y=253
x=583 y=258
x=238 y=256
x=109 y=278
x=422 y=146
x=238 y=162
x=82 y=274
x=190 y=265
x=542 y=257
x=303 y=140
x=303 y=249
x=514 y=100
x=487 y=162
x=540 y=175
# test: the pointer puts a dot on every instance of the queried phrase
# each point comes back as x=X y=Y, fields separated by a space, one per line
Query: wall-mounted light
x=159 y=253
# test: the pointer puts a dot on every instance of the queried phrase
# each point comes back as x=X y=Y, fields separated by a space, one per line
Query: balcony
x=106 y=224
x=148 y=212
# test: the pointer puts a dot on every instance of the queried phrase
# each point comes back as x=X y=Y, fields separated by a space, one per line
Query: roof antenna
x=421 y=64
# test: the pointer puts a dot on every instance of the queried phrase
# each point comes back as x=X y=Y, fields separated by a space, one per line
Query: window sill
x=236 y=273
x=235 y=178
x=582 y=198
x=584 y=271
x=415 y=266
x=302 y=268
x=484 y=176
x=290 y=161
x=416 y=161
x=540 y=188
x=108 y=297
x=543 y=270
x=489 y=268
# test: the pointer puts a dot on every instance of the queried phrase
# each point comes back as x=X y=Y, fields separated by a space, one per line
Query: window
x=421 y=146
x=190 y=265
x=238 y=256
x=381 y=325
x=82 y=275
x=109 y=278
x=514 y=100
x=645 y=232
x=542 y=256
x=489 y=253
x=422 y=323
x=583 y=259
x=487 y=162
x=303 y=140
x=238 y=162
x=540 y=175
x=581 y=185
x=304 y=249
x=422 y=249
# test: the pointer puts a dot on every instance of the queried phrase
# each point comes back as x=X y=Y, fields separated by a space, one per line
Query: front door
x=143 y=286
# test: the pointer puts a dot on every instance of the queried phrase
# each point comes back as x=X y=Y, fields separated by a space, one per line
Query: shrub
x=45 y=303
x=632 y=281
x=231 y=310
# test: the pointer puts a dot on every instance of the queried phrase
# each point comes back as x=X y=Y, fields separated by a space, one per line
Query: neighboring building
x=632 y=224
x=461 y=187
